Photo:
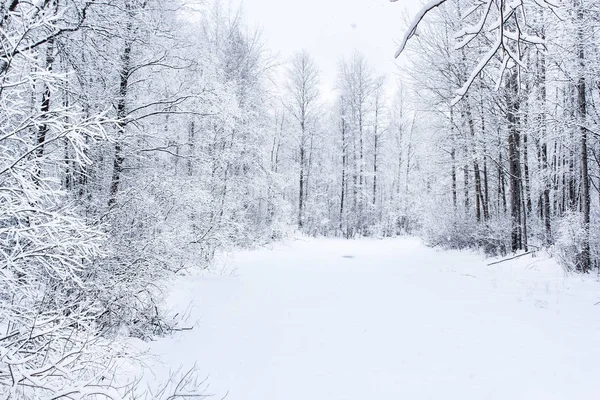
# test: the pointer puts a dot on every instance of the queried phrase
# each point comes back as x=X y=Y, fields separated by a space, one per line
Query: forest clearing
x=385 y=319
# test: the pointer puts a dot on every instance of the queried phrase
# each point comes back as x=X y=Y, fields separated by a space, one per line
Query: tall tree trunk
x=277 y=145
x=544 y=148
x=573 y=198
x=43 y=130
x=192 y=148
x=486 y=194
x=528 y=204
x=476 y=171
x=408 y=169
x=486 y=187
x=466 y=189
x=344 y=176
x=119 y=159
x=375 y=153
x=501 y=178
x=309 y=168
x=514 y=160
x=301 y=183
x=582 y=117
x=557 y=180
x=453 y=158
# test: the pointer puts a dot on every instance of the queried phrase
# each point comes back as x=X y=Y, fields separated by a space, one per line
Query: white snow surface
x=385 y=319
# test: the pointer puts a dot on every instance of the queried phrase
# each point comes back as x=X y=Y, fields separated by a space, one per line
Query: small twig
x=512 y=258
x=188 y=328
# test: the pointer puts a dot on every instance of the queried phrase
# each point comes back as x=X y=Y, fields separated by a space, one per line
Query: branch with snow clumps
x=507 y=42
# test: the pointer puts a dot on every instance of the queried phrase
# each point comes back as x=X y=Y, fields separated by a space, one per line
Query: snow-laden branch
x=484 y=61
x=471 y=32
x=502 y=19
x=415 y=23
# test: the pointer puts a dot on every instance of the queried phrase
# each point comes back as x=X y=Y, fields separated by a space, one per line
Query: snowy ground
x=387 y=319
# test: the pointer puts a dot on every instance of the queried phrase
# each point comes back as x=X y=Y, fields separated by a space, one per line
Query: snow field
x=385 y=319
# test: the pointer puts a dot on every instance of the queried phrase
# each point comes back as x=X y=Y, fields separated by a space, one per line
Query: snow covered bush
x=52 y=274
x=570 y=237
x=450 y=231
x=492 y=237
x=47 y=318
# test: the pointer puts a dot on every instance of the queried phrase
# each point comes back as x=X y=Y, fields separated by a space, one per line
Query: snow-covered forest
x=140 y=138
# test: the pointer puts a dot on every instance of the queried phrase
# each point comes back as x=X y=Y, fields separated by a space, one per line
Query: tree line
x=518 y=138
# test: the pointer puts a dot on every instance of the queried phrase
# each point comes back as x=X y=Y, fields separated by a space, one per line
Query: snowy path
x=389 y=319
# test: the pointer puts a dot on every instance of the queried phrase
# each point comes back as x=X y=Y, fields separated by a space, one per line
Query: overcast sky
x=331 y=29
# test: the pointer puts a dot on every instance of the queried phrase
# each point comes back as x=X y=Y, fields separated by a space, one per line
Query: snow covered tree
x=302 y=87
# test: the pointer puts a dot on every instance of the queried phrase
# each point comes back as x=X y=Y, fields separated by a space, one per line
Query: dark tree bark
x=486 y=194
x=344 y=175
x=453 y=157
x=43 y=130
x=191 y=147
x=119 y=158
x=544 y=148
x=514 y=160
x=585 y=258
x=301 y=193
x=375 y=150
x=501 y=178
x=473 y=150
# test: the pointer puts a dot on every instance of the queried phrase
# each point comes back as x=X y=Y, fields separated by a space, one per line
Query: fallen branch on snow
x=512 y=258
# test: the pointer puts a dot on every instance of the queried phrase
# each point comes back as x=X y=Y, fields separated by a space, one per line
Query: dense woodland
x=519 y=138
x=139 y=137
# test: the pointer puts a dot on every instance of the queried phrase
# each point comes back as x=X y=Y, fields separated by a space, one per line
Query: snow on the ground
x=386 y=319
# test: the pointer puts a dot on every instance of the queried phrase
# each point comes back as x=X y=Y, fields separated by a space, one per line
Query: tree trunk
x=301 y=183
x=121 y=115
x=453 y=158
x=476 y=171
x=544 y=150
x=528 y=203
x=344 y=176
x=43 y=130
x=192 y=147
x=486 y=194
x=514 y=160
x=501 y=179
x=375 y=151
x=466 y=189
x=585 y=256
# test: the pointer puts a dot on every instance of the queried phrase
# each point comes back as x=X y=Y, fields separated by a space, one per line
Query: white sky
x=331 y=29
